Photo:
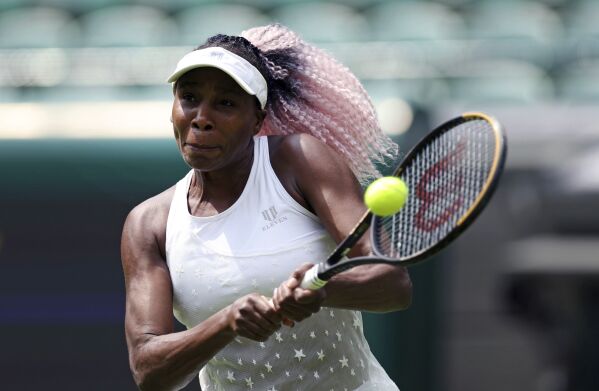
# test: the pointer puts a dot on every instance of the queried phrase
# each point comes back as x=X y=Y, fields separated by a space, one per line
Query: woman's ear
x=260 y=115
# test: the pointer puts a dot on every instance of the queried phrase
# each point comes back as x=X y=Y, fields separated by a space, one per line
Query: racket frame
x=317 y=277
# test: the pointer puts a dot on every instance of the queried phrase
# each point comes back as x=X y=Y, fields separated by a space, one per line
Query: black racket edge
x=327 y=270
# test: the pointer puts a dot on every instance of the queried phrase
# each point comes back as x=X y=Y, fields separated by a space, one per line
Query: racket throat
x=311 y=280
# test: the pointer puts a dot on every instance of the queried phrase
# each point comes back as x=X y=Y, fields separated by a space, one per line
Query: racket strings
x=445 y=179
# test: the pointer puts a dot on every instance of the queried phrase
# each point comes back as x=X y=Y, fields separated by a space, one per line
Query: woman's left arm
x=330 y=189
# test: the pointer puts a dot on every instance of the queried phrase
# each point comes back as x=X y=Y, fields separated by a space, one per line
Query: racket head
x=452 y=174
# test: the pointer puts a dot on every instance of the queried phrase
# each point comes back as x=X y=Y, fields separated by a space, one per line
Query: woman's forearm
x=375 y=288
x=171 y=361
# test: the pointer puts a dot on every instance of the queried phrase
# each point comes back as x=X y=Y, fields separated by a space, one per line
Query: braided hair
x=311 y=92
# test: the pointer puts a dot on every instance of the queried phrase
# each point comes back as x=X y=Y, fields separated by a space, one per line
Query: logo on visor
x=217 y=55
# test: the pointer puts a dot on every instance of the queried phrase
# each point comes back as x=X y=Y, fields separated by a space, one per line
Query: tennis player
x=278 y=136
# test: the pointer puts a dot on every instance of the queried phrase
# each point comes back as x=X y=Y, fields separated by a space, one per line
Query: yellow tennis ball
x=386 y=195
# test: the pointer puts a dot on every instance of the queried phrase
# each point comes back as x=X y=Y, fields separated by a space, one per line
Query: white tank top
x=252 y=247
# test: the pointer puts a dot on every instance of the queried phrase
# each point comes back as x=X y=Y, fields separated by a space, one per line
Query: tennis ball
x=386 y=195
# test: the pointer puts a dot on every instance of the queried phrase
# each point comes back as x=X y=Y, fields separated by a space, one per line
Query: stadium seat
x=127 y=25
x=405 y=20
x=37 y=27
x=200 y=22
x=9 y=94
x=79 y=6
x=174 y=6
x=582 y=19
x=10 y=4
x=499 y=81
x=579 y=81
x=513 y=19
x=419 y=90
x=323 y=21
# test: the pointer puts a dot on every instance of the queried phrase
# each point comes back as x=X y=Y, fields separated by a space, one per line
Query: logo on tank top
x=271 y=216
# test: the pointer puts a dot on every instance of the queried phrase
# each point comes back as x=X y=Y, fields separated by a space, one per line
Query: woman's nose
x=201 y=120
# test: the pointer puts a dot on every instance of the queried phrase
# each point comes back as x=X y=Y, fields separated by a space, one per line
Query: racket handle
x=311 y=280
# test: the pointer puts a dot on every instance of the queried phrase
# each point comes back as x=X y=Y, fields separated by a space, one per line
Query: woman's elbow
x=141 y=375
x=401 y=297
x=404 y=291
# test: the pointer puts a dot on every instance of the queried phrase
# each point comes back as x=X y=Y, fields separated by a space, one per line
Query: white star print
x=343 y=362
x=268 y=366
x=294 y=336
x=331 y=369
x=287 y=373
x=332 y=314
x=338 y=334
x=312 y=334
x=277 y=355
x=299 y=354
x=249 y=382
x=239 y=361
x=230 y=376
x=356 y=322
x=221 y=258
x=262 y=345
x=334 y=346
x=361 y=363
x=278 y=336
x=326 y=332
x=301 y=377
x=343 y=323
x=272 y=389
x=262 y=375
x=316 y=376
x=254 y=362
x=353 y=373
x=238 y=340
x=320 y=355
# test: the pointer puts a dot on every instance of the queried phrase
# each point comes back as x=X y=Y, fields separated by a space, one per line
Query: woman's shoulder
x=156 y=205
x=150 y=216
x=294 y=146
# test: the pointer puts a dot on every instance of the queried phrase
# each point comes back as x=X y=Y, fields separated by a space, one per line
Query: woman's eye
x=187 y=97
x=226 y=102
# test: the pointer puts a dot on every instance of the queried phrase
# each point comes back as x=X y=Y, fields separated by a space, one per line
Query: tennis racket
x=451 y=175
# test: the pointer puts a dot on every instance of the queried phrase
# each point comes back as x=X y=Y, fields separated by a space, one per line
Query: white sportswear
x=252 y=247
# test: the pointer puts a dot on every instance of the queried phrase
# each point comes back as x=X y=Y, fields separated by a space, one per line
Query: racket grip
x=311 y=280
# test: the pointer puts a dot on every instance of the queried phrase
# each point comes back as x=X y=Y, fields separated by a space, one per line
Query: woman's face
x=214 y=119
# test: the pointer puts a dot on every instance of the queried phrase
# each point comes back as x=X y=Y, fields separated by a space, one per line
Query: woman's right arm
x=161 y=359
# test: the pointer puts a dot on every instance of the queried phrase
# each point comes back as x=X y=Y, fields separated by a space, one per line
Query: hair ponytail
x=311 y=92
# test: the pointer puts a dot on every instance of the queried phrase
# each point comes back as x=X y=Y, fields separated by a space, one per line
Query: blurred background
x=85 y=136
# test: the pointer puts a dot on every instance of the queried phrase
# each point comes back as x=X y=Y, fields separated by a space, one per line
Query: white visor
x=244 y=73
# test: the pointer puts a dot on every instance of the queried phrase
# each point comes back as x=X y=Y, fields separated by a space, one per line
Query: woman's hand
x=295 y=303
x=252 y=316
